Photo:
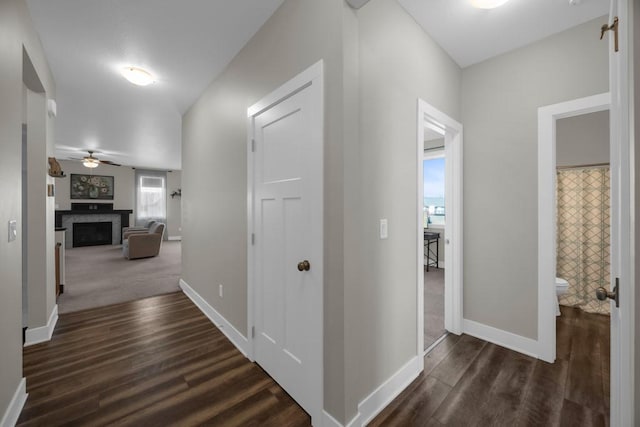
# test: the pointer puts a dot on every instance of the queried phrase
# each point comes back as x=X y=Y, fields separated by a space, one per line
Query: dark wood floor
x=152 y=362
x=469 y=382
x=160 y=362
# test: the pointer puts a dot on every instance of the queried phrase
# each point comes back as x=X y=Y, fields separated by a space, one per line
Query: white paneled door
x=286 y=251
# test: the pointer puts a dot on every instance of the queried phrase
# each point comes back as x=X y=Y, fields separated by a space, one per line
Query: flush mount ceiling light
x=487 y=4
x=137 y=76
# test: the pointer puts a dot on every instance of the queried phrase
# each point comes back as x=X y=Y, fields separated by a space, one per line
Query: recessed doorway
x=439 y=226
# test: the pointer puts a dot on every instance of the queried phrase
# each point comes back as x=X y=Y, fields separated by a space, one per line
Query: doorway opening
x=550 y=156
x=439 y=226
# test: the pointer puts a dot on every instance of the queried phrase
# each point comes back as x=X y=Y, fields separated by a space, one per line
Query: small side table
x=433 y=254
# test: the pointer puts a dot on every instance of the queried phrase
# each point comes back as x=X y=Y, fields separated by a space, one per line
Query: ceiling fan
x=93 y=162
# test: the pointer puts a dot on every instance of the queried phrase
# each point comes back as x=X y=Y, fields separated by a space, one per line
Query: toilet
x=562 y=286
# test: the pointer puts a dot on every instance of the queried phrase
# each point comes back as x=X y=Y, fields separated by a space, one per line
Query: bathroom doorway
x=439 y=226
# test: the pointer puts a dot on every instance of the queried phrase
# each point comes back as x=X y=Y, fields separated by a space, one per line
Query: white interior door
x=621 y=316
x=287 y=249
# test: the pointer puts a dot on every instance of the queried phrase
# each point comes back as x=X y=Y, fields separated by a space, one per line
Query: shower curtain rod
x=592 y=165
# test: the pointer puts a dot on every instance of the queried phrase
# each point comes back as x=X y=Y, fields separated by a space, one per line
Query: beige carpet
x=99 y=275
x=433 y=305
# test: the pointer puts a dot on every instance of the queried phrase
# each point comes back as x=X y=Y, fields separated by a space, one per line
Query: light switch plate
x=384 y=228
x=13 y=230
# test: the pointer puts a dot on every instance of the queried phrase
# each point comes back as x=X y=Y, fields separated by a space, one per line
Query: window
x=152 y=198
x=433 y=176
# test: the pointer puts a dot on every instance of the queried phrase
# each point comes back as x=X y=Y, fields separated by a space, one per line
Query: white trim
x=429 y=116
x=236 y=338
x=42 y=333
x=12 y=413
x=623 y=321
x=502 y=338
x=547 y=117
x=288 y=89
x=375 y=402
x=170 y=238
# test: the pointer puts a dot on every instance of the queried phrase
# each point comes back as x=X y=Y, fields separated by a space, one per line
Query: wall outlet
x=220 y=290
x=384 y=229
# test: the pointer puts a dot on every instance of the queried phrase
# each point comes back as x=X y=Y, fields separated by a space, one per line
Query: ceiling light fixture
x=90 y=162
x=487 y=4
x=137 y=76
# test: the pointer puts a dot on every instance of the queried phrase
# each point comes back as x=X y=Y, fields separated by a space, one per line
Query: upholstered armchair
x=143 y=245
x=132 y=230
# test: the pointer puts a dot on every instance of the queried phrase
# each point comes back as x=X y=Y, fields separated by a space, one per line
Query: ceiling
x=184 y=43
x=472 y=35
x=187 y=43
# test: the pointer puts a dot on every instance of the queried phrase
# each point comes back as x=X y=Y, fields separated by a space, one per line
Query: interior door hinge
x=253 y=332
x=253 y=145
x=613 y=27
x=253 y=239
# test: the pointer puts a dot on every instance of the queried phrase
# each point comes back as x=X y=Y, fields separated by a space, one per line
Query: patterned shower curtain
x=583 y=240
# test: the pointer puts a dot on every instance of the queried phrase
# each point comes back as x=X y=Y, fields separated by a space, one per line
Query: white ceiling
x=472 y=35
x=187 y=43
x=184 y=43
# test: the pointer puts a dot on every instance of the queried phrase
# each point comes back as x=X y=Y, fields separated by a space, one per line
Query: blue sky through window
x=434 y=178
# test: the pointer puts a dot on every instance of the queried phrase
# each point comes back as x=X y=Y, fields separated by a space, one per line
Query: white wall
x=16 y=30
x=500 y=98
x=583 y=140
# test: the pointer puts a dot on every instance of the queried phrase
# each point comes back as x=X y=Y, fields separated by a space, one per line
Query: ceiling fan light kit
x=138 y=76
x=487 y=4
x=90 y=163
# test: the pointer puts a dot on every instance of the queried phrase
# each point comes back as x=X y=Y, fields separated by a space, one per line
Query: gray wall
x=123 y=185
x=16 y=30
x=214 y=231
x=635 y=11
x=174 y=205
x=583 y=140
x=399 y=63
x=500 y=98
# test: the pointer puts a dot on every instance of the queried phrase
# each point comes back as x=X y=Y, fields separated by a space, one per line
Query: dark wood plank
x=585 y=385
x=416 y=404
x=542 y=405
x=575 y=415
x=453 y=367
x=506 y=396
x=468 y=397
x=157 y=361
x=437 y=355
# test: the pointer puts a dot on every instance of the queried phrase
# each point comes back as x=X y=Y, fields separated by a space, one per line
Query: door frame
x=429 y=116
x=312 y=75
x=547 y=118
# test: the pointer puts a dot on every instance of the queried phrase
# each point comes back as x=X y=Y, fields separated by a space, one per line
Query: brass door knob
x=304 y=265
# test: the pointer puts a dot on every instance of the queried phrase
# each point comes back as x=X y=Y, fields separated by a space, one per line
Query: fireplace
x=92 y=233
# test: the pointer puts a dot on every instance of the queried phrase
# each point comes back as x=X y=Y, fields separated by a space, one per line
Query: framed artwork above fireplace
x=91 y=187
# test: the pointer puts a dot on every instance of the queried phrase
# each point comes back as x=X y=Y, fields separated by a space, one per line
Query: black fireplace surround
x=92 y=233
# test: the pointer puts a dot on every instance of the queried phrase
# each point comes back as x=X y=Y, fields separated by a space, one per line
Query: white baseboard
x=373 y=404
x=10 y=417
x=174 y=238
x=236 y=338
x=42 y=333
x=502 y=338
